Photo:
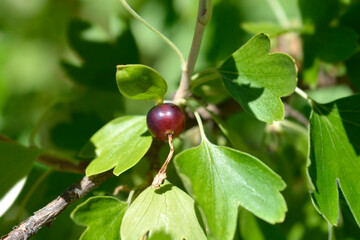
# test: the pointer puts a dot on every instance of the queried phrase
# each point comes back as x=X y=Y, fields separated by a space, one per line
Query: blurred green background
x=57 y=87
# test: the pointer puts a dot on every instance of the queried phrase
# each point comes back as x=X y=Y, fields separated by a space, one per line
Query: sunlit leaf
x=120 y=144
x=167 y=209
x=141 y=83
x=102 y=216
x=257 y=79
x=220 y=179
x=334 y=156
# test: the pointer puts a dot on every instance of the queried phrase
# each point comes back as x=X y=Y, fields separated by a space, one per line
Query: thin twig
x=46 y=215
x=161 y=176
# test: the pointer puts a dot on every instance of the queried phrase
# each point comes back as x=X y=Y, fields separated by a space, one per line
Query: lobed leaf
x=220 y=179
x=120 y=144
x=334 y=155
x=140 y=82
x=257 y=79
x=165 y=212
x=102 y=215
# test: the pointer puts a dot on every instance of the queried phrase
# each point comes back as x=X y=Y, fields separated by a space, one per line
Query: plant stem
x=203 y=18
x=162 y=36
x=302 y=94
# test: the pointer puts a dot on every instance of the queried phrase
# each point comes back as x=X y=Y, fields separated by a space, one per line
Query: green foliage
x=102 y=216
x=79 y=117
x=18 y=161
x=334 y=155
x=265 y=27
x=167 y=209
x=334 y=44
x=120 y=144
x=220 y=179
x=257 y=79
x=320 y=12
x=141 y=83
x=99 y=58
x=353 y=69
x=234 y=195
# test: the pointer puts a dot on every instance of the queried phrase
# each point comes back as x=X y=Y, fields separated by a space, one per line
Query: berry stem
x=161 y=176
x=203 y=18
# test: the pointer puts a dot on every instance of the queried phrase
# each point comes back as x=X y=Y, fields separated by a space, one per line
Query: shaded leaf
x=102 y=216
x=220 y=179
x=257 y=79
x=68 y=124
x=99 y=58
x=16 y=162
x=334 y=156
x=252 y=228
x=353 y=70
x=167 y=209
x=140 y=82
x=209 y=86
x=335 y=44
x=351 y=16
x=319 y=12
x=120 y=144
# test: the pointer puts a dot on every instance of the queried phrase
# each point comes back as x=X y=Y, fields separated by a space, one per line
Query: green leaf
x=351 y=16
x=141 y=83
x=319 y=12
x=16 y=163
x=353 y=70
x=334 y=156
x=335 y=44
x=102 y=216
x=265 y=27
x=67 y=126
x=160 y=236
x=257 y=79
x=98 y=58
x=121 y=144
x=220 y=179
x=167 y=209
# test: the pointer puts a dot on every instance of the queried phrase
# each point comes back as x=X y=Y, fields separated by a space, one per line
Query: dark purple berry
x=165 y=119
